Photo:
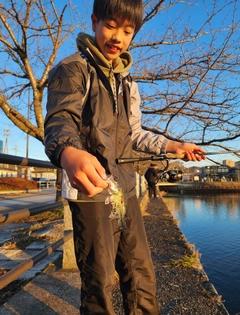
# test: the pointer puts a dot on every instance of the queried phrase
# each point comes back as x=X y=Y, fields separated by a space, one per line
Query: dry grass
x=16 y=183
x=212 y=296
x=19 y=242
x=25 y=236
x=188 y=261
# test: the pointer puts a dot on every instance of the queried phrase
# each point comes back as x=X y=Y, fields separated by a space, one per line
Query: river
x=212 y=224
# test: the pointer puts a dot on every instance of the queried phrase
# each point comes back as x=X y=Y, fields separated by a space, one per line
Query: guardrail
x=8 y=217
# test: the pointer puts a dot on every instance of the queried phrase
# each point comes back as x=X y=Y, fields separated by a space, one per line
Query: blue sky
x=17 y=139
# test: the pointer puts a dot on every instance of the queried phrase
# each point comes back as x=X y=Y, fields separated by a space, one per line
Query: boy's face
x=112 y=37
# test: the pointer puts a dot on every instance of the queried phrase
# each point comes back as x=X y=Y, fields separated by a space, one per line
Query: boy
x=93 y=118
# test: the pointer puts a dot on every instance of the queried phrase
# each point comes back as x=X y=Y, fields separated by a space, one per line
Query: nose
x=116 y=36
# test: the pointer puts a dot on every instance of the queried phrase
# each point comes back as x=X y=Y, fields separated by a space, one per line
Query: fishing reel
x=171 y=176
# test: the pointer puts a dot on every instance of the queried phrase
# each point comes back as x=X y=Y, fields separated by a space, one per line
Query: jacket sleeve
x=144 y=141
x=67 y=89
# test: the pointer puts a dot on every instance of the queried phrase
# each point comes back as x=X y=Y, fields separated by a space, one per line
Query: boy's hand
x=192 y=151
x=84 y=171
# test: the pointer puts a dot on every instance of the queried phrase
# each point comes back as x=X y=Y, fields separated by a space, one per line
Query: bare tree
x=187 y=70
x=32 y=32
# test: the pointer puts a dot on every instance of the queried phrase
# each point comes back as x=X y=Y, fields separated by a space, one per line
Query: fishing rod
x=168 y=156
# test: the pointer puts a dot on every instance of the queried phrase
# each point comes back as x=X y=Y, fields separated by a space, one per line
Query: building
x=8 y=170
x=219 y=173
x=237 y=166
x=229 y=163
x=48 y=173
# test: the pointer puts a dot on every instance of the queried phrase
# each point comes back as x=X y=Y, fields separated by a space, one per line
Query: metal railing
x=8 y=217
x=18 y=160
x=13 y=274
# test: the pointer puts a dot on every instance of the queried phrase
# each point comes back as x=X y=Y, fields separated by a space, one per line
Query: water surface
x=212 y=224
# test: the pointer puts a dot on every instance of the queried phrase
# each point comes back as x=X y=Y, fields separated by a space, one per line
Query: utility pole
x=15 y=148
x=6 y=134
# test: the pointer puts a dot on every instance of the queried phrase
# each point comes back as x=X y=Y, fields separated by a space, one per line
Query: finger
x=193 y=156
x=95 y=178
x=199 y=157
x=99 y=169
x=94 y=191
x=199 y=150
x=85 y=185
x=91 y=191
x=190 y=156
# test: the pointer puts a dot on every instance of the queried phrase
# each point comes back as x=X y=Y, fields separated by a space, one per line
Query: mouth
x=113 y=48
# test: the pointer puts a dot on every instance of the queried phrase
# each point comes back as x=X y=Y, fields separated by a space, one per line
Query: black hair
x=123 y=10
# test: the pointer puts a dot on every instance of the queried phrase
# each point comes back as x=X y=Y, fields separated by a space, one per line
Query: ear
x=94 y=22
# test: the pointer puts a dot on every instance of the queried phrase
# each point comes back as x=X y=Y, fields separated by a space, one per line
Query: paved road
x=13 y=203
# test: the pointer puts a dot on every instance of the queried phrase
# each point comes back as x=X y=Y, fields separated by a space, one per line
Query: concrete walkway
x=10 y=259
x=181 y=291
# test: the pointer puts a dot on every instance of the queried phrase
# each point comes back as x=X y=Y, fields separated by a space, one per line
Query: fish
x=118 y=202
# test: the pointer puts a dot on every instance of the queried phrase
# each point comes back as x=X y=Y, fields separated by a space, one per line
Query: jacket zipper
x=114 y=90
x=115 y=95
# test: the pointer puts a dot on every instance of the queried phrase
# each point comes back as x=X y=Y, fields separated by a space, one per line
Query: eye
x=128 y=31
x=110 y=24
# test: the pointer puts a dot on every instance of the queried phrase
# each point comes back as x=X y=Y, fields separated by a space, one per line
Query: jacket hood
x=122 y=64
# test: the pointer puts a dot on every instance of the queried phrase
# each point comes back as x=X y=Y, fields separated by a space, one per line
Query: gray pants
x=99 y=252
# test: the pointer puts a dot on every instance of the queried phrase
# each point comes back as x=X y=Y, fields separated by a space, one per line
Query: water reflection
x=217 y=204
x=212 y=224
